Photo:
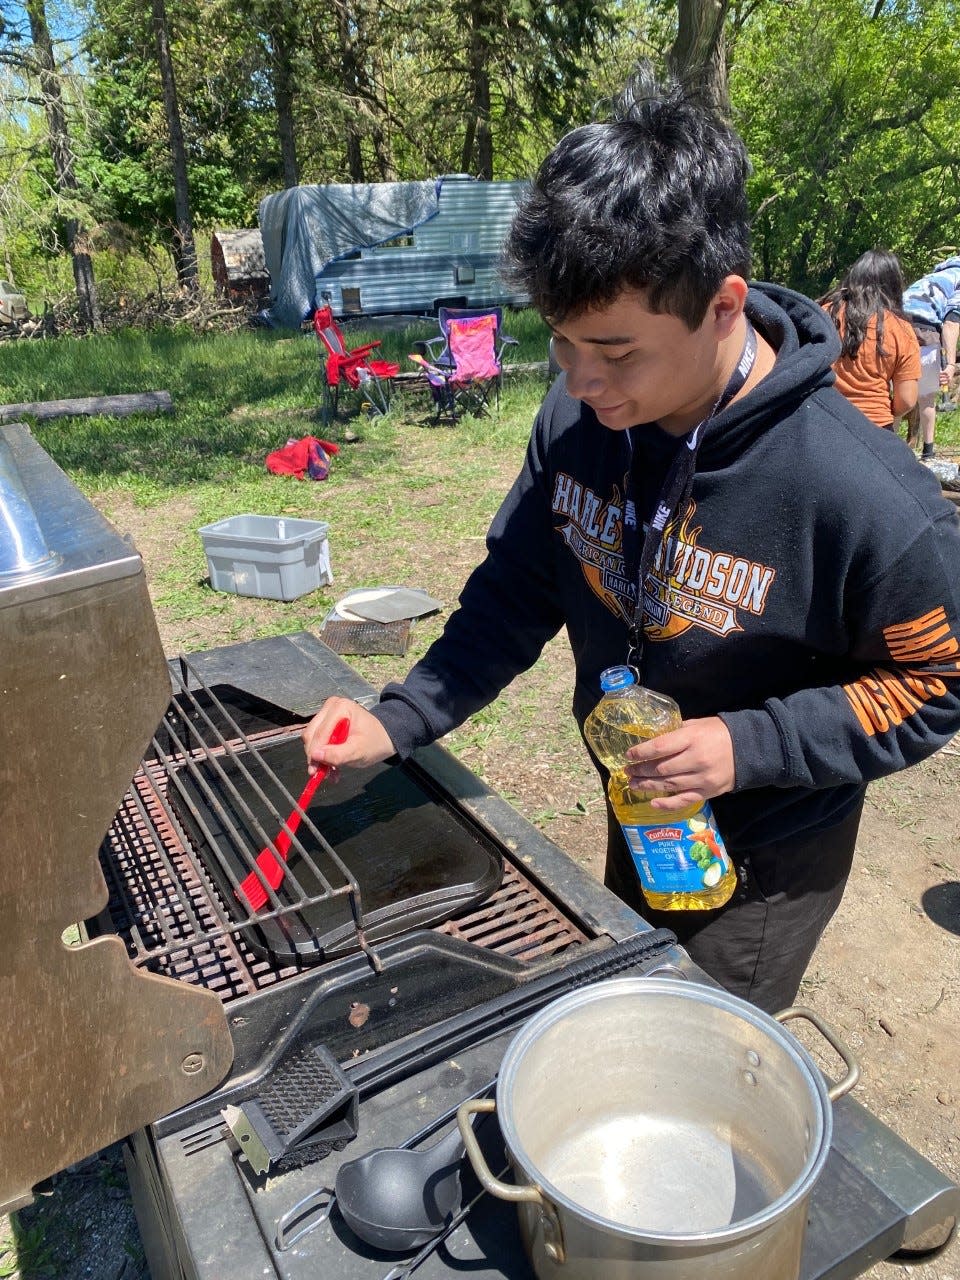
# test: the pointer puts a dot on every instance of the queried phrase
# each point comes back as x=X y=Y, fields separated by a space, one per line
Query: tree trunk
x=349 y=40
x=283 y=97
x=184 y=248
x=377 y=97
x=282 y=40
x=62 y=153
x=477 y=155
x=117 y=406
x=698 y=57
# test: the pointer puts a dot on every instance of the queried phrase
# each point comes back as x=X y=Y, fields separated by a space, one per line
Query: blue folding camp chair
x=464 y=363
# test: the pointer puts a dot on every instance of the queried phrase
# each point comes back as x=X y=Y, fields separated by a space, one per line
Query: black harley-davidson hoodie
x=808 y=595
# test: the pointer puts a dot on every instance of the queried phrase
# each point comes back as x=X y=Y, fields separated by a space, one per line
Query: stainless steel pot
x=662 y=1129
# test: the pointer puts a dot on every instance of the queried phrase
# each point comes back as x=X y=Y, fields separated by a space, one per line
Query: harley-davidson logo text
x=689 y=585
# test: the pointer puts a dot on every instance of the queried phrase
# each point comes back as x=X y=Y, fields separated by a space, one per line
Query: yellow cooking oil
x=680 y=858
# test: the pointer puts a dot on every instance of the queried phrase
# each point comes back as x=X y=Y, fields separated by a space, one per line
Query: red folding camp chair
x=468 y=367
x=372 y=378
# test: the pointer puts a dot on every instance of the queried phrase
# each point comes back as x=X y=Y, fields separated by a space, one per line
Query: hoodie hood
x=806 y=342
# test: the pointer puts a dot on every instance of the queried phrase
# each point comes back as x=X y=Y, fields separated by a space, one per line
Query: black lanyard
x=675 y=493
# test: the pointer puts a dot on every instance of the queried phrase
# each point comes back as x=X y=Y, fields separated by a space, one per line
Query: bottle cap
x=617 y=678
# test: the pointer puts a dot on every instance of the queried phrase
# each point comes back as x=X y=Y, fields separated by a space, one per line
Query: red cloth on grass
x=308 y=458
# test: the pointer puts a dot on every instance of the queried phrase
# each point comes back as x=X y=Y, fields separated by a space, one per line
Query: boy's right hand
x=367 y=741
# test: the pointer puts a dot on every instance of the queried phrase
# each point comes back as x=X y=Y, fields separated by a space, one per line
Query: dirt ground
x=886 y=974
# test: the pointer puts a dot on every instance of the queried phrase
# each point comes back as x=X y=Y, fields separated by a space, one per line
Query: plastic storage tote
x=272 y=557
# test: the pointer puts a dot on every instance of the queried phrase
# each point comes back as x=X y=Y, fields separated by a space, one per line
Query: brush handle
x=271 y=864
x=283 y=840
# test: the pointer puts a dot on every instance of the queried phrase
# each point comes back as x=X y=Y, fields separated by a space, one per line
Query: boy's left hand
x=686 y=766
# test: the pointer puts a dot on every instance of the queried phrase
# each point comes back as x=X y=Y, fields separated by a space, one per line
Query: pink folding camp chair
x=468 y=368
x=373 y=378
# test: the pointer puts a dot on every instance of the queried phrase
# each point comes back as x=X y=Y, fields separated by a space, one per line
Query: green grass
x=948 y=433
x=237 y=396
x=377 y=500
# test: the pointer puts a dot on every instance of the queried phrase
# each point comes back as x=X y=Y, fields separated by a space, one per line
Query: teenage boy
x=932 y=305
x=799 y=566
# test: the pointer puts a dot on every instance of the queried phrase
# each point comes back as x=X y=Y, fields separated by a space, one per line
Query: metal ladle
x=397 y=1199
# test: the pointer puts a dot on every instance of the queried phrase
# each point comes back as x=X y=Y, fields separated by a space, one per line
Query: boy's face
x=632 y=365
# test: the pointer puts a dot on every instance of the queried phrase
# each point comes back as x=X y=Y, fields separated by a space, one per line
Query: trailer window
x=398 y=242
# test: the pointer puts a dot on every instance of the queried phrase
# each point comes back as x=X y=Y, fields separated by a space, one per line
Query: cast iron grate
x=169 y=911
x=172 y=917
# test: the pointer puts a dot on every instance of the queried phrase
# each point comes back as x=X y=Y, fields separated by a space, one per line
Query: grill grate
x=517 y=921
x=170 y=910
x=172 y=917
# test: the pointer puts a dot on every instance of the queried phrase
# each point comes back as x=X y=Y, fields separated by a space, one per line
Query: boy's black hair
x=652 y=199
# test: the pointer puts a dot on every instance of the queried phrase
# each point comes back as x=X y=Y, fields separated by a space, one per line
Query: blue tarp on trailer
x=306 y=228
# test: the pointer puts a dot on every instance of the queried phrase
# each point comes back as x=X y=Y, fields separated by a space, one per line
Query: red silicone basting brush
x=251 y=887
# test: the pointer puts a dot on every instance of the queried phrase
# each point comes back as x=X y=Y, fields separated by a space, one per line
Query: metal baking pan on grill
x=414 y=860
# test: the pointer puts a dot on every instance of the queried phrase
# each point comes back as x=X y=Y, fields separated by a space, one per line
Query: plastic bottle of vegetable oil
x=680 y=857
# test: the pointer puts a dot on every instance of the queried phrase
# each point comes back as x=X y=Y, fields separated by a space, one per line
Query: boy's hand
x=686 y=766
x=367 y=741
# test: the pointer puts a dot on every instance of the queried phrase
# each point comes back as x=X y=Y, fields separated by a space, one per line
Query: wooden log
x=116 y=406
x=530 y=366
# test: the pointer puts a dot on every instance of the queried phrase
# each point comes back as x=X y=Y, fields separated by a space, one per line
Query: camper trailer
x=451 y=259
x=377 y=248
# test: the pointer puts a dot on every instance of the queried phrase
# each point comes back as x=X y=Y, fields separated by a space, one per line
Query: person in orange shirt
x=879 y=365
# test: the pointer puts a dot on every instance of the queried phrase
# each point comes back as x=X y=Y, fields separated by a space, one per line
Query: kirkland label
x=679 y=857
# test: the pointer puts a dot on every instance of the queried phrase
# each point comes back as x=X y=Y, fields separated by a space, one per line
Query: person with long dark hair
x=879 y=365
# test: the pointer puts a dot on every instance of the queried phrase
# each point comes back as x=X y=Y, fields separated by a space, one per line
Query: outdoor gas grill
x=246 y=1054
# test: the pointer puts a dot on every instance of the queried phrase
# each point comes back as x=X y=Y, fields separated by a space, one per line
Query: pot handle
x=849 y=1061
x=502 y=1190
x=550 y=1224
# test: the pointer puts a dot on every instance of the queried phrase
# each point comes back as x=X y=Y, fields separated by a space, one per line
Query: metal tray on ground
x=386 y=604
x=365 y=638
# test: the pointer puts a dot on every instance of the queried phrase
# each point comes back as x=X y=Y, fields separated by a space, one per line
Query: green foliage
x=853 y=128
x=31 y=1255
x=848 y=108
x=128 y=164
x=32 y=209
